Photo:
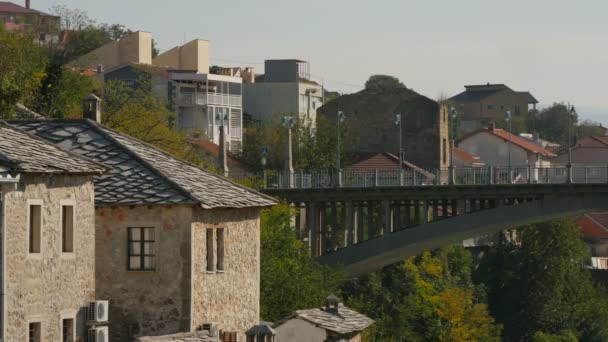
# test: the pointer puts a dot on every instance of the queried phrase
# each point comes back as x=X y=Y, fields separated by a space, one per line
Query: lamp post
x=509 y=121
x=263 y=160
x=453 y=117
x=399 y=123
x=289 y=122
x=223 y=160
x=340 y=119
x=569 y=166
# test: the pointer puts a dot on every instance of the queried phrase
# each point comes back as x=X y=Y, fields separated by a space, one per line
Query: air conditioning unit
x=98 y=334
x=98 y=311
x=214 y=329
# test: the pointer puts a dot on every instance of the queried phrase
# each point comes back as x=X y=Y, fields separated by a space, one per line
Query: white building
x=284 y=89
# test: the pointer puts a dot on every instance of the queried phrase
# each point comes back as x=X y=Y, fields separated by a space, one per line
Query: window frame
x=69 y=315
x=34 y=320
x=210 y=263
x=141 y=254
x=62 y=205
x=220 y=258
x=29 y=204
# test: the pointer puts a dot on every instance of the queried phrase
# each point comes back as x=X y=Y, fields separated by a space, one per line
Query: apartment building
x=47 y=221
x=285 y=88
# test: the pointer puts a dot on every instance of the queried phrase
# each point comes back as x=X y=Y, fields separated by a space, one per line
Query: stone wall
x=145 y=303
x=231 y=297
x=53 y=285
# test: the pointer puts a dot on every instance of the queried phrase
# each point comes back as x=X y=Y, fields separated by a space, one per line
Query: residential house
x=588 y=156
x=47 y=239
x=463 y=159
x=370 y=122
x=500 y=148
x=594 y=227
x=44 y=27
x=334 y=322
x=383 y=167
x=285 y=88
x=479 y=105
x=181 y=78
x=177 y=247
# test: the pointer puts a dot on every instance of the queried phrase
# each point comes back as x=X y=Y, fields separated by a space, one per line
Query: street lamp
x=509 y=121
x=264 y=154
x=453 y=117
x=289 y=122
x=399 y=123
x=223 y=160
x=341 y=118
x=569 y=166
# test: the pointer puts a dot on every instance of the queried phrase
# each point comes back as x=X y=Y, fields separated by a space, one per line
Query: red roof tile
x=466 y=156
x=593 y=225
x=382 y=161
x=519 y=141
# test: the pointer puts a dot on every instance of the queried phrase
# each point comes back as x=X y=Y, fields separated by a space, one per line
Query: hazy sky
x=557 y=49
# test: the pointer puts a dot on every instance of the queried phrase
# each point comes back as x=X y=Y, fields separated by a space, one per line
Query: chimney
x=331 y=304
x=91 y=108
x=27 y=4
x=491 y=126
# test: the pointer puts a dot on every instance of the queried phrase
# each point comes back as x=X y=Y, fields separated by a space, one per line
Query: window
x=67 y=330
x=35 y=228
x=445 y=150
x=67 y=229
x=141 y=252
x=210 y=264
x=229 y=336
x=220 y=249
x=490 y=107
x=35 y=332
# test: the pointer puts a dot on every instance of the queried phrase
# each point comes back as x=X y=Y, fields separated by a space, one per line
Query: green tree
x=383 y=84
x=22 y=68
x=537 y=283
x=430 y=297
x=290 y=278
x=564 y=336
x=553 y=123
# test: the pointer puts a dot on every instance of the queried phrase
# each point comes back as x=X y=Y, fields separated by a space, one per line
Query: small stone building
x=47 y=230
x=332 y=323
x=177 y=247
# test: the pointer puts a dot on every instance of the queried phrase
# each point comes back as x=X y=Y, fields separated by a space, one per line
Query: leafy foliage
x=290 y=278
x=383 y=84
x=537 y=283
x=427 y=298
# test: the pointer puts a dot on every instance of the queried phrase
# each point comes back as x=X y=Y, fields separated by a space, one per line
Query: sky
x=556 y=49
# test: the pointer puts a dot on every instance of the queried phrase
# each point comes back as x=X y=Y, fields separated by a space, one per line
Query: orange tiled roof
x=519 y=141
x=593 y=225
x=466 y=156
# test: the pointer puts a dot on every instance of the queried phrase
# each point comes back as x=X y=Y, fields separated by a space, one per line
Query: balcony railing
x=202 y=99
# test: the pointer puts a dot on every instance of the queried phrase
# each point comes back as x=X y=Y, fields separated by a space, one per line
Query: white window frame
x=68 y=314
x=29 y=203
x=34 y=319
x=65 y=203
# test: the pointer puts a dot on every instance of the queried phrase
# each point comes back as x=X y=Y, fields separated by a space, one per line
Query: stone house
x=47 y=229
x=481 y=104
x=177 y=247
x=370 y=122
x=334 y=322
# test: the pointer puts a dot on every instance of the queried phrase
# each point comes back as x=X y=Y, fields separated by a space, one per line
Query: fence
x=351 y=178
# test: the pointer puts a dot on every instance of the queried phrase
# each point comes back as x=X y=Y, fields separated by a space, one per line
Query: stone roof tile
x=344 y=321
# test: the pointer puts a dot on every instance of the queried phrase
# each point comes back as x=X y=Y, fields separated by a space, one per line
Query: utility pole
x=569 y=166
x=223 y=153
x=453 y=117
x=340 y=117
x=508 y=118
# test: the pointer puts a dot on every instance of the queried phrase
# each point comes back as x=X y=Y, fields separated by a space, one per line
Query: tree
x=537 y=283
x=430 y=297
x=22 y=68
x=290 y=278
x=553 y=123
x=383 y=84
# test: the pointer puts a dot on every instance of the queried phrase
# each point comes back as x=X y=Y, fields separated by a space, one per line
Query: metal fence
x=351 y=178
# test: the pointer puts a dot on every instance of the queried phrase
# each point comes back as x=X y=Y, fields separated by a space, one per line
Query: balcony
x=214 y=99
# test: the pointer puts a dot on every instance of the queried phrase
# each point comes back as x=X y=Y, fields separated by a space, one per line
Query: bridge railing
x=354 y=178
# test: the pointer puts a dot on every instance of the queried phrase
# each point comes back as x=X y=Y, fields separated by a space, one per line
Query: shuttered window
x=229 y=336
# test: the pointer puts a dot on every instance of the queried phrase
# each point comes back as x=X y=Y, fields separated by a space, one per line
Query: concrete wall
x=134 y=48
x=299 y=330
x=267 y=99
x=231 y=297
x=53 y=285
x=145 y=303
x=193 y=55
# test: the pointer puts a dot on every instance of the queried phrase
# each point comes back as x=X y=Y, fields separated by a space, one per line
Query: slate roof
x=23 y=152
x=197 y=336
x=344 y=321
x=528 y=96
x=141 y=173
x=475 y=93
